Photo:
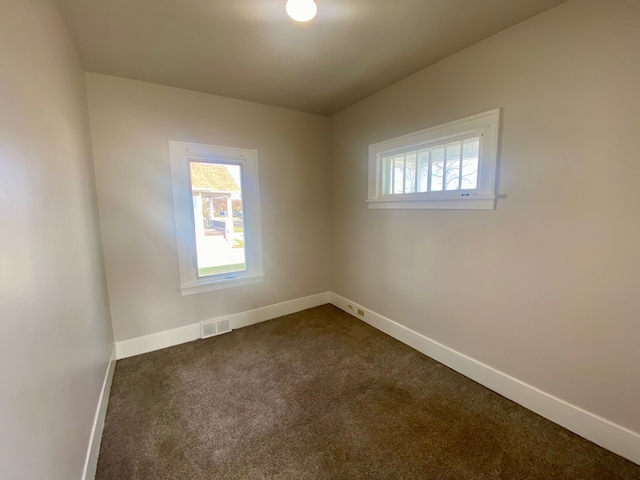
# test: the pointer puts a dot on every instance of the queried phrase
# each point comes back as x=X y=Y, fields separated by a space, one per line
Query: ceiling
x=251 y=50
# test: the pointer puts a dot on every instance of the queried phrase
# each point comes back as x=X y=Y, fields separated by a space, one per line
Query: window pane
x=387 y=175
x=470 y=151
x=410 y=173
x=423 y=171
x=219 y=223
x=398 y=174
x=453 y=166
x=437 y=164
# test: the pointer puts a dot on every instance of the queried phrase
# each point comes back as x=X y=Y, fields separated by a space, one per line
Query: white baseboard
x=605 y=433
x=609 y=435
x=189 y=333
x=157 y=341
x=93 y=450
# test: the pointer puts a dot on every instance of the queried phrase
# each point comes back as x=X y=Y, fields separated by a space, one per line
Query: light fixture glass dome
x=301 y=10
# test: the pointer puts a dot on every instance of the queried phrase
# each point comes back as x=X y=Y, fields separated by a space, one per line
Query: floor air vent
x=215 y=327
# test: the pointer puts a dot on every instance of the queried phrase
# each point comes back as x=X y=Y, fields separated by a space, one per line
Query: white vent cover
x=215 y=327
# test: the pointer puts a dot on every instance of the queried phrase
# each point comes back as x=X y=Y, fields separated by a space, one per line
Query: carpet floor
x=321 y=395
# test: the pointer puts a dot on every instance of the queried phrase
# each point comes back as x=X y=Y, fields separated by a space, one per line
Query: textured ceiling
x=251 y=50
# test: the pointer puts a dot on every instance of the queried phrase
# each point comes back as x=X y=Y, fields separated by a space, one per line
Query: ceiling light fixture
x=301 y=10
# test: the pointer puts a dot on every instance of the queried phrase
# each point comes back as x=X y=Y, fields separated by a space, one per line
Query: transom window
x=447 y=166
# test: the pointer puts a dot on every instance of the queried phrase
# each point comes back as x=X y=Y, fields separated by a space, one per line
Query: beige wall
x=131 y=124
x=56 y=335
x=545 y=288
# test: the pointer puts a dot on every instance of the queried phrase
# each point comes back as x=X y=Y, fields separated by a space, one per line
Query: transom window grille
x=447 y=166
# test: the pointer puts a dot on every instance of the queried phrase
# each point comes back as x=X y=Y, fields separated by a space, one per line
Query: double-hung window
x=217 y=215
x=450 y=166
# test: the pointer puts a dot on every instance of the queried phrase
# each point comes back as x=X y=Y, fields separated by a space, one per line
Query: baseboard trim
x=600 y=431
x=605 y=433
x=91 y=461
x=189 y=333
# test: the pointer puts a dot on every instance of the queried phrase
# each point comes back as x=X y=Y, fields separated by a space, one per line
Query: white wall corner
x=258 y=315
x=157 y=341
x=93 y=450
x=605 y=433
x=600 y=431
x=189 y=333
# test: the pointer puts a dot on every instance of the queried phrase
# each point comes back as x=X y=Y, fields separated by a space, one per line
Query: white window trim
x=181 y=153
x=485 y=124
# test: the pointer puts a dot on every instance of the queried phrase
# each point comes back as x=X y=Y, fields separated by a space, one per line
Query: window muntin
x=429 y=168
x=448 y=166
x=206 y=178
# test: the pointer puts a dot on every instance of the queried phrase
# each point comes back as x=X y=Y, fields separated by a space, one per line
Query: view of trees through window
x=219 y=222
x=449 y=166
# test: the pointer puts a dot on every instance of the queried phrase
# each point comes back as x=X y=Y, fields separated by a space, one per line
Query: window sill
x=208 y=285
x=466 y=203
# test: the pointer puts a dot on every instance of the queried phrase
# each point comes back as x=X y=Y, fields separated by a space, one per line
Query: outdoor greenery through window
x=216 y=199
x=218 y=218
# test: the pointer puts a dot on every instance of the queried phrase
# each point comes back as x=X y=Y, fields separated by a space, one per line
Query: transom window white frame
x=484 y=126
x=181 y=154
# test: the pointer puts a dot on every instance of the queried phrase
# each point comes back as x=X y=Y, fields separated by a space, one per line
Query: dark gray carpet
x=321 y=395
